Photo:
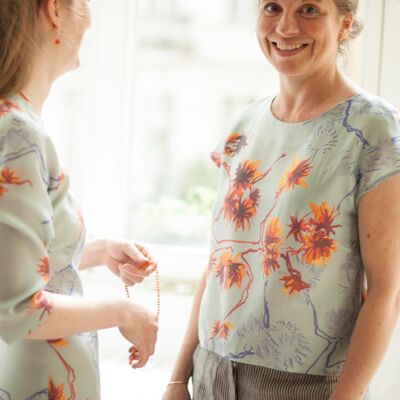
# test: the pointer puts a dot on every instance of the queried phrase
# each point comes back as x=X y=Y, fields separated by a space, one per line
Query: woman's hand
x=177 y=391
x=131 y=262
x=140 y=328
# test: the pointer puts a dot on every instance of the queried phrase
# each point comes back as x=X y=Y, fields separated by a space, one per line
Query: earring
x=57 y=41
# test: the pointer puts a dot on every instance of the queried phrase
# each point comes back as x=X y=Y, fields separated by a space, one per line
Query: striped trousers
x=215 y=378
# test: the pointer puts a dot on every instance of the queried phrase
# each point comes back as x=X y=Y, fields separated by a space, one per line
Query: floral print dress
x=285 y=280
x=42 y=237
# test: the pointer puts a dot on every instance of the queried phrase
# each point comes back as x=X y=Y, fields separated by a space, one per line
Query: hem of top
x=241 y=361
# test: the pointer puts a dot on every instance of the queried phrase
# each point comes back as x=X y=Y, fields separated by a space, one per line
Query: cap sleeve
x=26 y=230
x=380 y=158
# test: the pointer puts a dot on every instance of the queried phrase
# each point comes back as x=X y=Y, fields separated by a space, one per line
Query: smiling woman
x=281 y=311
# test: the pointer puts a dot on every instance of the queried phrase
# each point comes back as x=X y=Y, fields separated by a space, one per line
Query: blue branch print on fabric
x=318 y=332
x=349 y=128
x=239 y=356
x=15 y=137
x=42 y=395
x=266 y=318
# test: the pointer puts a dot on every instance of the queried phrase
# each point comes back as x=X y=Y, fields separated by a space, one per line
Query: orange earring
x=57 y=41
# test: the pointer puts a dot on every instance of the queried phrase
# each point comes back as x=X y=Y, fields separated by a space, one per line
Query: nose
x=287 y=25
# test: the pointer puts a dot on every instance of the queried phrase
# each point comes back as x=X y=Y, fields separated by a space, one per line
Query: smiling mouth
x=289 y=47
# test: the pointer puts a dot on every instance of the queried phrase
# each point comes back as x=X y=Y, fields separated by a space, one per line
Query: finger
x=129 y=282
x=129 y=277
x=144 y=251
x=133 y=270
x=134 y=253
x=141 y=362
x=150 y=269
x=134 y=355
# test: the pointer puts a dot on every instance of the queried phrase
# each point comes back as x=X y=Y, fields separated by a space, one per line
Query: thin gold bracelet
x=177 y=383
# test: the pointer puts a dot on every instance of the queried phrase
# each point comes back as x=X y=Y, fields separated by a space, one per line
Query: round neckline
x=307 y=121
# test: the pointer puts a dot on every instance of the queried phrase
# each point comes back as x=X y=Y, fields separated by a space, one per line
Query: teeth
x=288 y=47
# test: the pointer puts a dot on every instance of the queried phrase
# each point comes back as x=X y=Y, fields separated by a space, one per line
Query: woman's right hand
x=177 y=391
x=140 y=328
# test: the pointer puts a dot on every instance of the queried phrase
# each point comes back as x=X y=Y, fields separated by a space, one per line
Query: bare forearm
x=184 y=364
x=370 y=340
x=73 y=315
x=94 y=254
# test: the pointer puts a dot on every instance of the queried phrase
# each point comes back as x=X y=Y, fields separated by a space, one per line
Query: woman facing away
x=49 y=344
x=307 y=204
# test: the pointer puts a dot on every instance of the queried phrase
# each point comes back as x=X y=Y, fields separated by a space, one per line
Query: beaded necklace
x=133 y=350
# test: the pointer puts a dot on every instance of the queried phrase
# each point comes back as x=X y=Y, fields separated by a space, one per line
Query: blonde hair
x=19 y=39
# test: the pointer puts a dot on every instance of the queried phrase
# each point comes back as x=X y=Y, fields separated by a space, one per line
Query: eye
x=271 y=8
x=309 y=11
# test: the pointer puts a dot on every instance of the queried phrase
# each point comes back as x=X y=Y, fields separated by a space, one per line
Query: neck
x=303 y=98
x=38 y=87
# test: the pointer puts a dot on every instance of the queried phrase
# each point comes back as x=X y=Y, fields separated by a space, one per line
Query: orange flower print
x=8 y=177
x=235 y=142
x=215 y=330
x=43 y=268
x=293 y=283
x=317 y=248
x=56 y=392
x=240 y=211
x=272 y=247
x=6 y=106
x=255 y=197
x=298 y=228
x=246 y=175
x=243 y=212
x=225 y=329
x=323 y=218
x=221 y=330
x=295 y=175
x=273 y=233
x=230 y=271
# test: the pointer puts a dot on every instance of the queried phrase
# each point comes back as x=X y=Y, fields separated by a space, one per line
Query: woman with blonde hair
x=48 y=346
x=307 y=206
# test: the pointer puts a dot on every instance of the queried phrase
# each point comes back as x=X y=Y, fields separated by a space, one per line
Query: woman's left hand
x=129 y=261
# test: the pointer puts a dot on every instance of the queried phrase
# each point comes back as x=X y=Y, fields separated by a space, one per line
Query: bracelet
x=177 y=383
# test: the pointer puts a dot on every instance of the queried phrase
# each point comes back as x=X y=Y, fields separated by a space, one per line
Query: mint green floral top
x=285 y=280
x=42 y=236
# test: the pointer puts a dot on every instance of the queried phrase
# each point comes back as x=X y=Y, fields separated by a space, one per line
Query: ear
x=51 y=10
x=347 y=23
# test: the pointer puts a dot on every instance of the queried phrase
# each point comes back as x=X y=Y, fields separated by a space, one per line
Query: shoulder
x=373 y=111
x=235 y=138
x=23 y=140
x=21 y=129
x=253 y=111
